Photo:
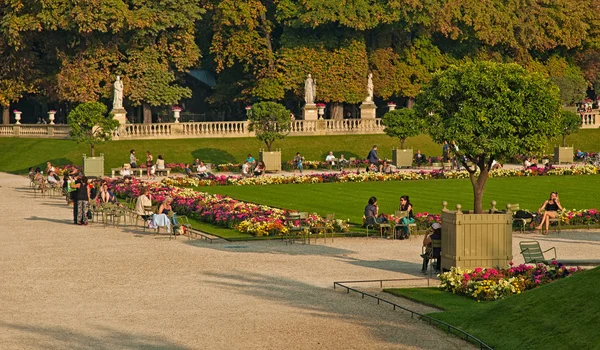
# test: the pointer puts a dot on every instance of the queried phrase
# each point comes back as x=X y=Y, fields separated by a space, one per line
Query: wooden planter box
x=272 y=160
x=563 y=155
x=476 y=240
x=402 y=157
x=93 y=166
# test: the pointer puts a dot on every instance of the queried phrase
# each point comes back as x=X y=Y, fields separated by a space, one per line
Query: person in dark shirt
x=371 y=213
x=373 y=158
x=430 y=251
x=550 y=208
x=83 y=200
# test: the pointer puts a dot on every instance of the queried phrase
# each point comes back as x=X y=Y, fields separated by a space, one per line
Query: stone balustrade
x=35 y=131
x=591 y=119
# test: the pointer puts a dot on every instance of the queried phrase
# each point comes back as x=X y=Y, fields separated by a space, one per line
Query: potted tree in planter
x=89 y=123
x=401 y=123
x=569 y=123
x=491 y=110
x=269 y=121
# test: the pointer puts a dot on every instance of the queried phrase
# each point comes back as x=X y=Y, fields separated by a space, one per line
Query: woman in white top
x=160 y=163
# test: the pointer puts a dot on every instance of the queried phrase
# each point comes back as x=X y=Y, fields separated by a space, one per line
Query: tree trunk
x=410 y=102
x=147 y=113
x=402 y=143
x=337 y=111
x=5 y=115
x=268 y=146
x=563 y=140
x=92 y=147
x=478 y=188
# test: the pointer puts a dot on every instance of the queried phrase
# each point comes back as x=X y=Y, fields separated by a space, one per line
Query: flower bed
x=234 y=180
x=254 y=219
x=493 y=284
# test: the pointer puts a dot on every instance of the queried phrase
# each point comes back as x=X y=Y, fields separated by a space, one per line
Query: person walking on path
x=298 y=159
x=132 y=159
x=373 y=158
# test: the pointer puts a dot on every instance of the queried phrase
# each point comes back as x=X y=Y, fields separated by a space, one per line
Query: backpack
x=522 y=214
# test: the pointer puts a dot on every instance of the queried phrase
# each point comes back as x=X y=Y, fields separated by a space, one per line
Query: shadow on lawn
x=56 y=337
x=383 y=323
x=214 y=156
x=272 y=247
x=60 y=162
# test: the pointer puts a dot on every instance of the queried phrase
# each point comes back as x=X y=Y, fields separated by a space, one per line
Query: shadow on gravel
x=591 y=237
x=327 y=304
x=58 y=221
x=387 y=265
x=54 y=337
x=270 y=247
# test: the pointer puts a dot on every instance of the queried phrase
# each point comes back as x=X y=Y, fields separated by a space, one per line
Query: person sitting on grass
x=371 y=213
x=386 y=167
x=430 y=251
x=260 y=169
x=246 y=172
x=580 y=155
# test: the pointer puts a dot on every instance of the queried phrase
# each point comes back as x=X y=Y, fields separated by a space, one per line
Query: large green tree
x=90 y=124
x=491 y=110
x=401 y=123
x=270 y=121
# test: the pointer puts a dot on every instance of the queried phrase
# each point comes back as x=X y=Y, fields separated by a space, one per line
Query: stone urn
x=321 y=110
x=391 y=106
x=17 y=117
x=176 y=111
x=51 y=115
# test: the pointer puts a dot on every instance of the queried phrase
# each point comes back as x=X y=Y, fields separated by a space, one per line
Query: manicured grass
x=18 y=154
x=347 y=200
x=561 y=315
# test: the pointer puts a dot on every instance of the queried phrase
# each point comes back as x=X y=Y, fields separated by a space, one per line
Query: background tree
x=569 y=123
x=269 y=121
x=90 y=124
x=491 y=110
x=401 y=123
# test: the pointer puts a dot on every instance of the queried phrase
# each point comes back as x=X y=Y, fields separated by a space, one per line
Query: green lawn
x=347 y=200
x=18 y=154
x=560 y=315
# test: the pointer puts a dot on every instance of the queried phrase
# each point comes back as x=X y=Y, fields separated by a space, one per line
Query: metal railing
x=467 y=336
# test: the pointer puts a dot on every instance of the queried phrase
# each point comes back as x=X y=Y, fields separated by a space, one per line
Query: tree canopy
x=70 y=51
x=491 y=110
x=270 y=121
x=402 y=123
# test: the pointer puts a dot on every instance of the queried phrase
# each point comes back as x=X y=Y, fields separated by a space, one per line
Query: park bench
x=533 y=254
x=165 y=171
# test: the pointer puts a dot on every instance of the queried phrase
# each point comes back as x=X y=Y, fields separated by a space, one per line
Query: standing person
x=406 y=205
x=75 y=184
x=132 y=159
x=83 y=201
x=445 y=151
x=551 y=208
x=149 y=164
x=435 y=252
x=373 y=158
x=298 y=159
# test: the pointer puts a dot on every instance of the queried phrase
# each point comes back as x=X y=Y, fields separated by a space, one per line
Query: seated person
x=105 y=195
x=330 y=159
x=343 y=162
x=496 y=165
x=550 y=207
x=160 y=163
x=196 y=163
x=371 y=213
x=246 y=171
x=126 y=171
x=580 y=155
x=260 y=169
x=189 y=172
x=203 y=170
x=386 y=168
x=161 y=218
x=435 y=252
x=527 y=163
x=372 y=167
x=53 y=179
x=143 y=201
x=49 y=167
x=38 y=178
x=420 y=158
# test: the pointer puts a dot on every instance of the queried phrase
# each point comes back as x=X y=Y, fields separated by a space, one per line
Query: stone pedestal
x=367 y=110
x=120 y=114
x=309 y=112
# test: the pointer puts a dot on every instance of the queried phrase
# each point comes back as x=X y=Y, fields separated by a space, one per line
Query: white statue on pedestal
x=118 y=92
x=310 y=90
x=369 y=98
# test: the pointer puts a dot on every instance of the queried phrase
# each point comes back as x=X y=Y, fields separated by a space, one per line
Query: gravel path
x=74 y=287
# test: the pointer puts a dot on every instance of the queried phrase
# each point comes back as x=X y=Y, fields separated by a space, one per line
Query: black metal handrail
x=468 y=337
